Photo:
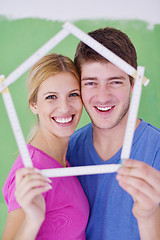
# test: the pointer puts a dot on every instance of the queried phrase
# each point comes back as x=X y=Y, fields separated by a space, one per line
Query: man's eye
x=74 y=95
x=115 y=83
x=51 y=97
x=90 y=83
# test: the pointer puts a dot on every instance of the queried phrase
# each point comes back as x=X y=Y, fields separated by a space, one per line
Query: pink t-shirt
x=67 y=208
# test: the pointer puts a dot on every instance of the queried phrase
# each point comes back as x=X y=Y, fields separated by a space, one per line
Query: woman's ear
x=33 y=107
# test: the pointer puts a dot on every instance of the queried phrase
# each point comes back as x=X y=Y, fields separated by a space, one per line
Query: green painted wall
x=21 y=38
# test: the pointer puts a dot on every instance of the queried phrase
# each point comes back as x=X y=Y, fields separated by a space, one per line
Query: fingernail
x=37 y=170
x=124 y=161
x=48 y=180
x=121 y=170
x=118 y=177
x=48 y=186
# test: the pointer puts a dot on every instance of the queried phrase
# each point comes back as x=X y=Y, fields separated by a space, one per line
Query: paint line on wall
x=71 y=10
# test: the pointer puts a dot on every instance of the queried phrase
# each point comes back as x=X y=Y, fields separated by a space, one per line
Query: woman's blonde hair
x=46 y=67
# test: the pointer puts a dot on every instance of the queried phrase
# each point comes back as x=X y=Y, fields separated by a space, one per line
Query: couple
x=123 y=205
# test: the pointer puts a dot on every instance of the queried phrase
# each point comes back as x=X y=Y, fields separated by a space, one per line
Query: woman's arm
x=13 y=223
x=24 y=223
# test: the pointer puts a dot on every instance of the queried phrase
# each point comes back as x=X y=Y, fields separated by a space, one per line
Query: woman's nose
x=63 y=105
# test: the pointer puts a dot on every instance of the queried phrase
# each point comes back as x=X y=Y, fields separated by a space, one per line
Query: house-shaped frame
x=138 y=74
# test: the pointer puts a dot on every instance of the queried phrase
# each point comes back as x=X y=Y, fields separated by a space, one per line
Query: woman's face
x=59 y=106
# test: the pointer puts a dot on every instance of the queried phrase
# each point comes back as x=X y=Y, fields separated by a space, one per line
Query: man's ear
x=33 y=107
x=133 y=82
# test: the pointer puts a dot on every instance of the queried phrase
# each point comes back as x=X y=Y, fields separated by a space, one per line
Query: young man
x=127 y=208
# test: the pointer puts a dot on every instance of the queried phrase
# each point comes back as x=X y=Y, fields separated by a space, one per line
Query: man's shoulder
x=151 y=129
x=149 y=133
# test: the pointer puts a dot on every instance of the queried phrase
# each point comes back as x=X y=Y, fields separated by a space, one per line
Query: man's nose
x=104 y=93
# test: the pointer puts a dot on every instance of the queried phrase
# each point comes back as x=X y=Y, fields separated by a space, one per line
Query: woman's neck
x=54 y=146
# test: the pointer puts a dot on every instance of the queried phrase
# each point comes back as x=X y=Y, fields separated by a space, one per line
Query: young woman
x=62 y=211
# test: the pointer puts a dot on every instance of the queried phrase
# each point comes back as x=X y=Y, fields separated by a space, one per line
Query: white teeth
x=63 y=120
x=104 y=108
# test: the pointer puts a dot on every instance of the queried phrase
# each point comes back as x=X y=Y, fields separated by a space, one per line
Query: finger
x=142 y=170
x=139 y=187
x=142 y=204
x=29 y=182
x=35 y=173
x=20 y=173
x=140 y=200
x=30 y=187
x=29 y=196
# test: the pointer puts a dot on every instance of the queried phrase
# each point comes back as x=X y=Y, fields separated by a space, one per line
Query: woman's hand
x=30 y=185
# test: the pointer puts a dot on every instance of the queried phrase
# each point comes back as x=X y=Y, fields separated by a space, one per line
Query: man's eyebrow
x=88 y=78
x=117 y=77
x=108 y=79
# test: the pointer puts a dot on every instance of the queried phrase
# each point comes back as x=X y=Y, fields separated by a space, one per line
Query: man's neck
x=108 y=142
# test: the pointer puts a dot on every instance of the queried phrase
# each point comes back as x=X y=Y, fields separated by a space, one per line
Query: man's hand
x=142 y=182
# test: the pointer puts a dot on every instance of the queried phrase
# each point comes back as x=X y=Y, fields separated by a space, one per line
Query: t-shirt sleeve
x=9 y=192
x=157 y=160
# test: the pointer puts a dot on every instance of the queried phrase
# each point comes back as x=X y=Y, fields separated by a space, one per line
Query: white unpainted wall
x=146 y=10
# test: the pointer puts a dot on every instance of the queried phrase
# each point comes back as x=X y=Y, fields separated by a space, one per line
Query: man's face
x=105 y=93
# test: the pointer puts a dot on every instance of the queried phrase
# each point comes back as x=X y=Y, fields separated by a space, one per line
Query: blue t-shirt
x=111 y=215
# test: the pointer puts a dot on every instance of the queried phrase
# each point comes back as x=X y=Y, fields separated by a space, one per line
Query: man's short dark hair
x=113 y=39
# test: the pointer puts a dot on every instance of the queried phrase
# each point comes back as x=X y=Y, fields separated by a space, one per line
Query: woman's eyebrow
x=75 y=90
x=49 y=93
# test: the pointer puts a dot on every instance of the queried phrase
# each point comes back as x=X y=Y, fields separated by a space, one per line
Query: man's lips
x=104 y=111
x=103 y=108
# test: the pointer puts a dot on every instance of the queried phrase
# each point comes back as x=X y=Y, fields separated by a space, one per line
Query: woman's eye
x=74 y=95
x=51 y=97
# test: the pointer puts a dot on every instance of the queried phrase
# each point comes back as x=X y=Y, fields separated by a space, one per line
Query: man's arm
x=142 y=182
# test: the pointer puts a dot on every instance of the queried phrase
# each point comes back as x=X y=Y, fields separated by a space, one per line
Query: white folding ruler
x=73 y=171
x=133 y=112
x=12 y=115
